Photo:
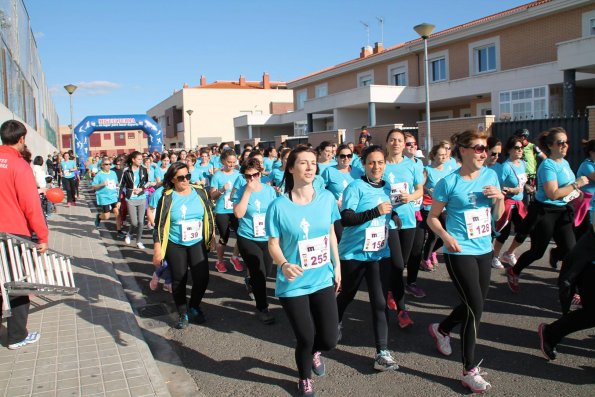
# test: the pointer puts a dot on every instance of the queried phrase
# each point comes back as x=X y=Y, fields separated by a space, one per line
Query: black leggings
x=471 y=277
x=314 y=321
x=225 y=222
x=352 y=274
x=259 y=262
x=416 y=253
x=550 y=221
x=70 y=187
x=400 y=243
x=433 y=242
x=515 y=219
x=179 y=258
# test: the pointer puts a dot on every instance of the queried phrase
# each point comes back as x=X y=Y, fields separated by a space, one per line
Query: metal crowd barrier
x=24 y=271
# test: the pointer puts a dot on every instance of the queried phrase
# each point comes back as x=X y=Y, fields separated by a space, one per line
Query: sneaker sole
x=541 y=337
x=383 y=368
x=476 y=391
x=319 y=374
x=418 y=296
x=433 y=335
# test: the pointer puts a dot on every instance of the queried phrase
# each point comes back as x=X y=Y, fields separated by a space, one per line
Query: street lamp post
x=71 y=88
x=190 y=111
x=425 y=30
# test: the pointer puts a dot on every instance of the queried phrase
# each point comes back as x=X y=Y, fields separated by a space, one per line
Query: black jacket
x=128 y=180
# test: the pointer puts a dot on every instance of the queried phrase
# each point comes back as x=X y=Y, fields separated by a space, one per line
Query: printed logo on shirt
x=305 y=226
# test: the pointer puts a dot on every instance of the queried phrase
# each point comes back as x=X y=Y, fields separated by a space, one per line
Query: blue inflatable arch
x=127 y=122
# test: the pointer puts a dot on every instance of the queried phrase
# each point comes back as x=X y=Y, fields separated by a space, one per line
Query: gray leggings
x=136 y=209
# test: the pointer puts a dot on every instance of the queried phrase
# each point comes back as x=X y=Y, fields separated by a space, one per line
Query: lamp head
x=424 y=29
x=189 y=111
x=70 y=88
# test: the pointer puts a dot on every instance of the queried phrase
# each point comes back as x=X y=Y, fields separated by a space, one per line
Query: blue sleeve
x=350 y=198
x=586 y=169
x=237 y=196
x=326 y=176
x=238 y=183
x=441 y=191
x=215 y=181
x=335 y=215
x=547 y=172
x=272 y=223
x=96 y=180
x=418 y=177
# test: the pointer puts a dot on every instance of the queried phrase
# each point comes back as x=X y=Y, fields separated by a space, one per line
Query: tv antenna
x=381 y=22
x=367 y=27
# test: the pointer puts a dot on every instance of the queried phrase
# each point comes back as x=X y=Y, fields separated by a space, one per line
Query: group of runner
x=330 y=218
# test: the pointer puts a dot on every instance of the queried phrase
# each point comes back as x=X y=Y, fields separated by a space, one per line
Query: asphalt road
x=233 y=354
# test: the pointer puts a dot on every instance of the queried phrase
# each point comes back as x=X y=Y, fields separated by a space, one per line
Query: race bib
x=522 y=180
x=396 y=189
x=418 y=202
x=191 y=230
x=258 y=225
x=227 y=203
x=314 y=252
x=67 y=172
x=478 y=222
x=574 y=195
x=375 y=238
x=111 y=185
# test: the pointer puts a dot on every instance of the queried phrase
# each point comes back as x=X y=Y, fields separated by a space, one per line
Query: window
x=397 y=74
x=486 y=59
x=301 y=97
x=592 y=26
x=107 y=136
x=65 y=142
x=525 y=103
x=588 y=23
x=95 y=140
x=119 y=139
x=438 y=69
x=365 y=79
x=321 y=90
x=484 y=56
x=131 y=135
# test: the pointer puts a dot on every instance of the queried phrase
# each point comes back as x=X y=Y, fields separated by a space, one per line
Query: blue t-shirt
x=94 y=168
x=106 y=195
x=451 y=165
x=586 y=168
x=215 y=162
x=160 y=172
x=462 y=195
x=277 y=164
x=291 y=223
x=322 y=167
x=276 y=176
x=433 y=176
x=141 y=196
x=151 y=174
x=419 y=172
x=155 y=197
x=336 y=181
x=268 y=164
x=68 y=168
x=184 y=210
x=201 y=173
x=551 y=170
x=403 y=176
x=258 y=203
x=360 y=196
x=513 y=176
x=219 y=180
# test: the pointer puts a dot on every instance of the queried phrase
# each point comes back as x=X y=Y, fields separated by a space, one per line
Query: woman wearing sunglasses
x=472 y=199
x=302 y=243
x=250 y=206
x=182 y=235
x=551 y=214
x=406 y=182
x=105 y=183
x=513 y=177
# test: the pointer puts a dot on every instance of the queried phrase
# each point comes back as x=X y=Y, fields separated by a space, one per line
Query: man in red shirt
x=21 y=213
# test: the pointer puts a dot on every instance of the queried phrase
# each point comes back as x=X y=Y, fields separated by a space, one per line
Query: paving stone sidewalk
x=91 y=344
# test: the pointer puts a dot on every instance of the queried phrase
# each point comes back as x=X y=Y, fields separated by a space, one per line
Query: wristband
x=283 y=264
x=575 y=185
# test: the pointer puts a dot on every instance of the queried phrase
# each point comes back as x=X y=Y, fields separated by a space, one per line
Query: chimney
x=185 y=85
x=378 y=47
x=366 y=51
x=203 y=80
x=266 y=81
x=242 y=81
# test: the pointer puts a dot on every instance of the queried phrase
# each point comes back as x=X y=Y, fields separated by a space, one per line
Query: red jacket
x=20 y=208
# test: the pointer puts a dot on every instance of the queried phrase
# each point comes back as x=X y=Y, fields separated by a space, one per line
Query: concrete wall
x=37 y=144
x=443 y=129
x=350 y=119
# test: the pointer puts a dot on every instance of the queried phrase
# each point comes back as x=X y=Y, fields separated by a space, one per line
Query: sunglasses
x=106 y=163
x=409 y=144
x=517 y=147
x=250 y=176
x=346 y=156
x=494 y=154
x=478 y=149
x=562 y=143
x=181 y=178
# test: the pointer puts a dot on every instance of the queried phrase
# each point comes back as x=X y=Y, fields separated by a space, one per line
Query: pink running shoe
x=434 y=258
x=390 y=301
x=404 y=319
x=426 y=265
x=220 y=266
x=237 y=265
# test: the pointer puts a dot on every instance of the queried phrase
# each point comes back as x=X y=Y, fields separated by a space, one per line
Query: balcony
x=577 y=54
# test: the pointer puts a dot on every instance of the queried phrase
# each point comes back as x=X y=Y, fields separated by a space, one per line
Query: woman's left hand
x=337 y=279
x=493 y=192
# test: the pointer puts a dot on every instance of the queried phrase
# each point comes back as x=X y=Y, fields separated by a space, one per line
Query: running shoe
x=549 y=351
x=383 y=361
x=390 y=301
x=220 y=266
x=182 y=321
x=576 y=303
x=140 y=245
x=265 y=316
x=434 y=258
x=167 y=287
x=150 y=227
x=306 y=388
x=196 y=316
x=509 y=258
x=31 y=338
x=249 y=287
x=496 y=264
x=426 y=265
x=513 y=280
x=154 y=283
x=121 y=234
x=442 y=341
x=474 y=381
x=404 y=319
x=97 y=221
x=68 y=204
x=318 y=364
x=553 y=260
x=413 y=290
x=127 y=239
x=237 y=265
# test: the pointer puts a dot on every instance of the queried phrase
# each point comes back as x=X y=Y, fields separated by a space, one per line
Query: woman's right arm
x=290 y=271
x=450 y=242
x=351 y=218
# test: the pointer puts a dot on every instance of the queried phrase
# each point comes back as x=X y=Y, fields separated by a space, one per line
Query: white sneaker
x=383 y=361
x=510 y=259
x=474 y=381
x=127 y=239
x=140 y=245
x=442 y=341
x=496 y=264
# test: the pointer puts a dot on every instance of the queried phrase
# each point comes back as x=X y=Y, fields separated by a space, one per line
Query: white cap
x=419 y=154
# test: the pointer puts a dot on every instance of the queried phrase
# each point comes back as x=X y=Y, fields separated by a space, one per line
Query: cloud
x=38 y=35
x=97 y=87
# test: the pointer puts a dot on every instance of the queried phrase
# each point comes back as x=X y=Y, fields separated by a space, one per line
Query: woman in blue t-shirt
x=551 y=214
x=68 y=168
x=250 y=206
x=473 y=200
x=183 y=233
x=325 y=156
x=276 y=176
x=366 y=217
x=162 y=169
x=302 y=243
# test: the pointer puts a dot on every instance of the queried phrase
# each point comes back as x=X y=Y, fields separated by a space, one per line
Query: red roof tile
x=236 y=85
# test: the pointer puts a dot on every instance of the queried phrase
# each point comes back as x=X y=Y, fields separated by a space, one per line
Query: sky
x=127 y=56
